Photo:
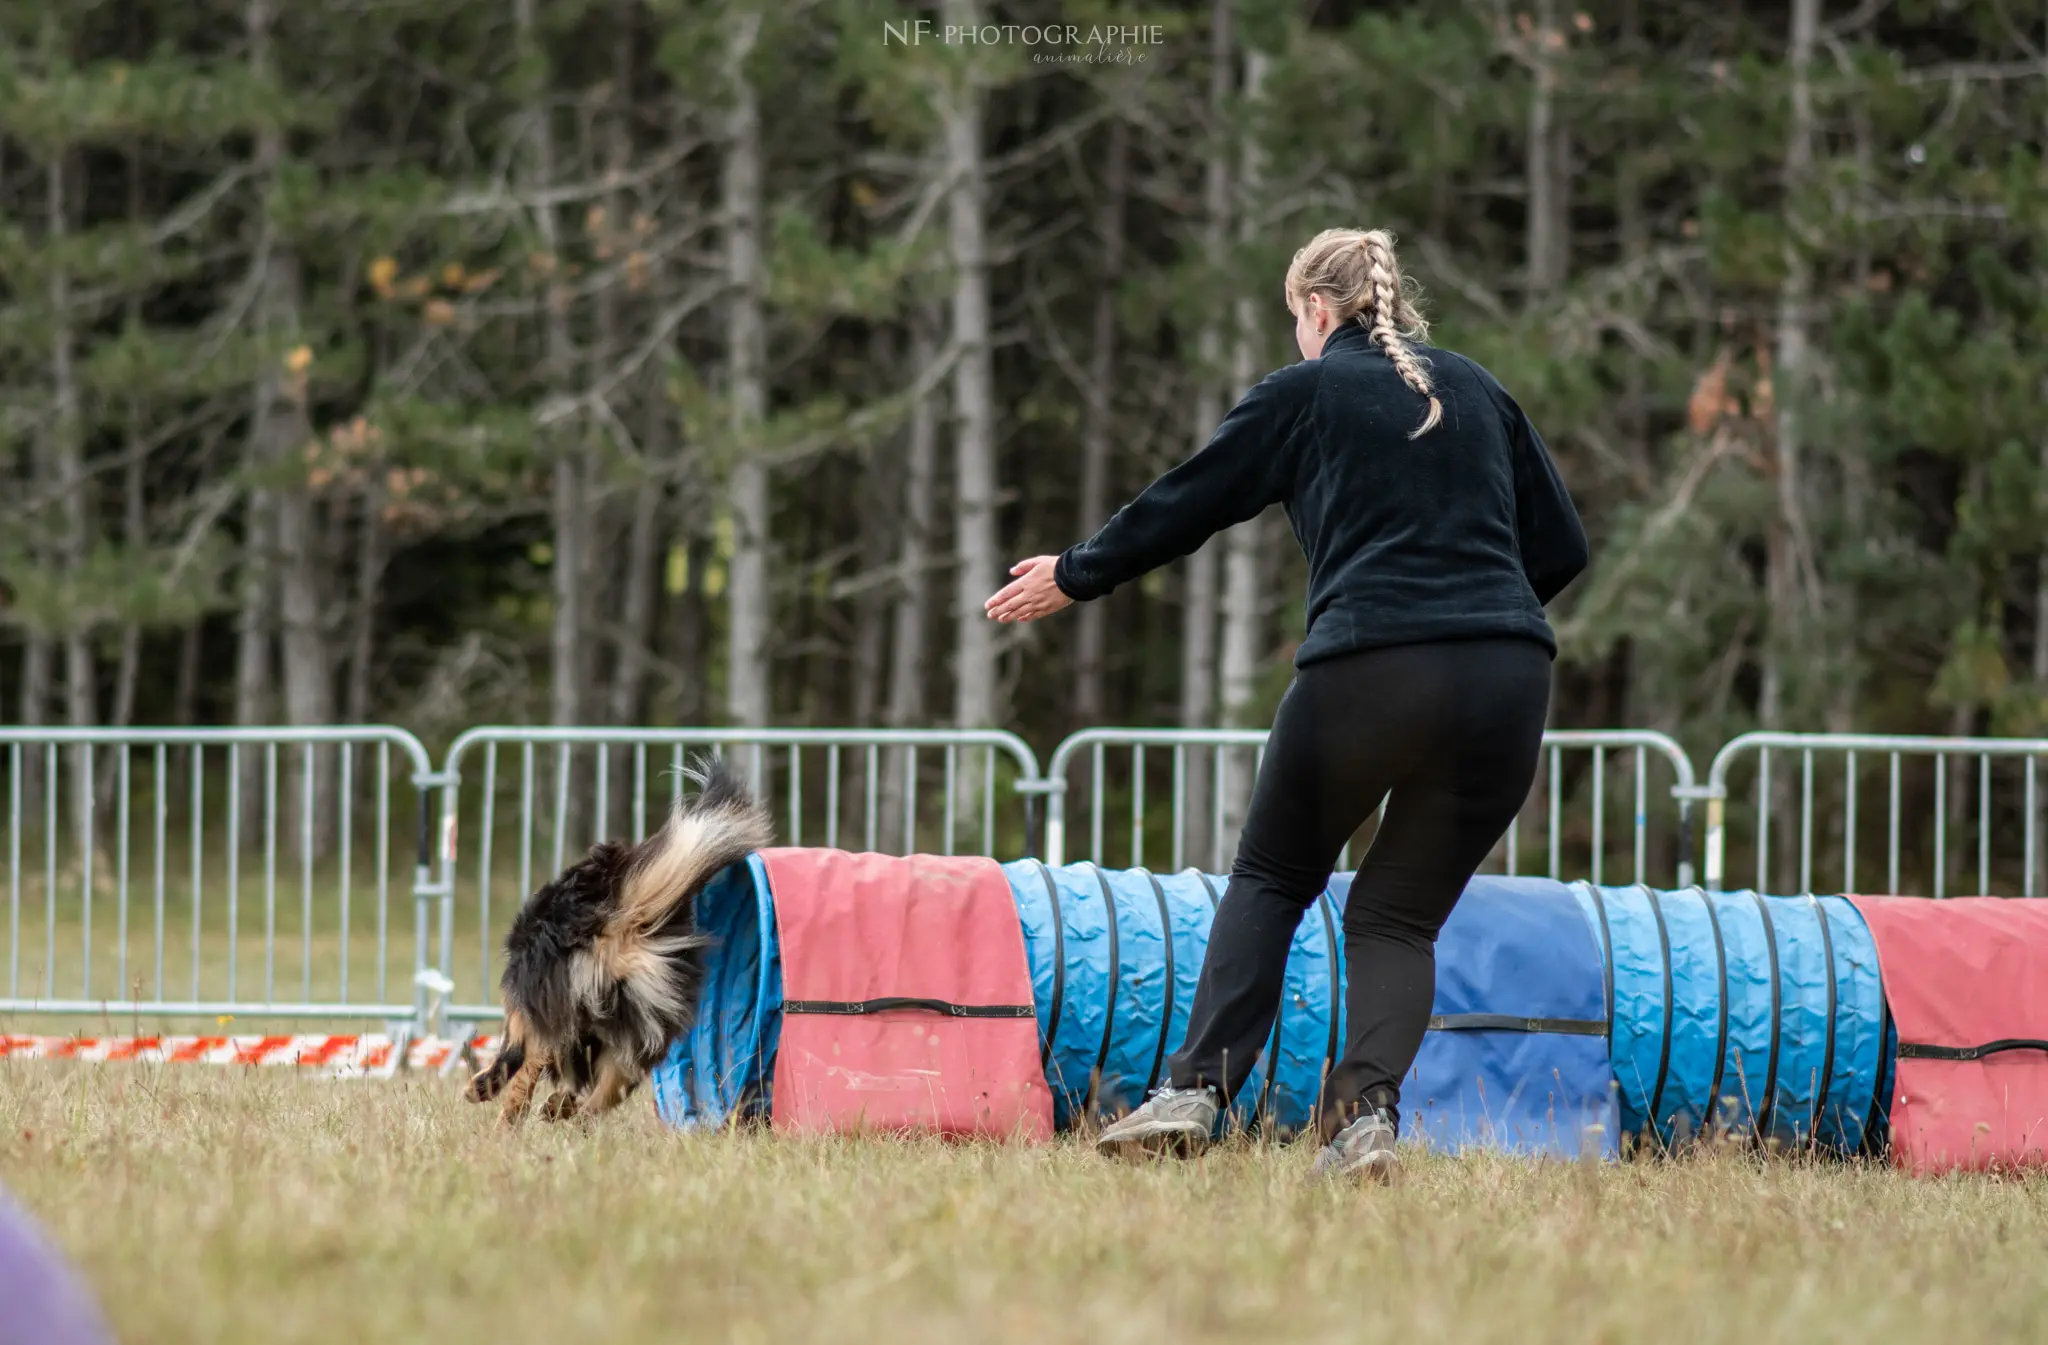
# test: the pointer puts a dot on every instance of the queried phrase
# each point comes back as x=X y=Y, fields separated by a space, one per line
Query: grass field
x=249 y=1205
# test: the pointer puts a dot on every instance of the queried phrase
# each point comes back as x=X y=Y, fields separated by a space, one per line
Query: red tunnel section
x=1966 y=983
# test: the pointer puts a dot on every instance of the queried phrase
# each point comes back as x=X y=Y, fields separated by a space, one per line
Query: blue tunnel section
x=724 y=1068
x=1114 y=958
x=1755 y=1014
x=1516 y=1057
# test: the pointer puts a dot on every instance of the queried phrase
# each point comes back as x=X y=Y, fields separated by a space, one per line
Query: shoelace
x=1370 y=1121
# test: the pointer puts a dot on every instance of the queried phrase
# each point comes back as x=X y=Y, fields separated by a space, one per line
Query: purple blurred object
x=42 y=1301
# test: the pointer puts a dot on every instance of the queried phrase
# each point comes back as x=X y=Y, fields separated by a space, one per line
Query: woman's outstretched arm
x=1247 y=464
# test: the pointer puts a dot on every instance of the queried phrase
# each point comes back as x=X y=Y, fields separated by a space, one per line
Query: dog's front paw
x=486 y=1084
x=560 y=1107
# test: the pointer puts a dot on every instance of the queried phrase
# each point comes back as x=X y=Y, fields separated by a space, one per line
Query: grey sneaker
x=1363 y=1149
x=1178 y=1120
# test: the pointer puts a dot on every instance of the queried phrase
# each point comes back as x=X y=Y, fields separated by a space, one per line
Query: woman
x=1436 y=530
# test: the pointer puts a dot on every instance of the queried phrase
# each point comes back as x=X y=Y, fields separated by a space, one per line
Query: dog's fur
x=602 y=965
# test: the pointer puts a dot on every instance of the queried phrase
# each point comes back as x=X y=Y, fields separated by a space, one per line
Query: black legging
x=1449 y=734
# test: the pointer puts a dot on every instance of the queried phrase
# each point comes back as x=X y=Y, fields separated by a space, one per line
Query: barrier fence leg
x=1684 y=843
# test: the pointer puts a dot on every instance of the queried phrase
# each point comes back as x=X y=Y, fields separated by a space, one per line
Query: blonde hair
x=1356 y=273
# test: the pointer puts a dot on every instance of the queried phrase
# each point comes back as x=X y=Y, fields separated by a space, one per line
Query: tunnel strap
x=1172 y=984
x=1766 y=1115
x=888 y=1003
x=1656 y=900
x=1913 y=1050
x=1059 y=965
x=1508 y=1022
x=1827 y=1063
x=1116 y=979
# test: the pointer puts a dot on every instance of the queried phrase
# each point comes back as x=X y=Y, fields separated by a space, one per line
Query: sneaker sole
x=1156 y=1141
x=1380 y=1168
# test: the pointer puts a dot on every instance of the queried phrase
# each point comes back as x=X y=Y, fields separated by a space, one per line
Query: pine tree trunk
x=1548 y=163
x=643 y=574
x=977 y=566
x=1244 y=596
x=35 y=706
x=68 y=455
x=2041 y=580
x=1198 y=661
x=570 y=660
x=1786 y=554
x=1638 y=699
x=1853 y=488
x=642 y=559
x=128 y=670
x=749 y=592
x=35 y=646
x=1091 y=631
x=370 y=562
x=255 y=633
x=278 y=428
x=185 y=689
x=910 y=620
x=128 y=667
x=256 y=619
x=879 y=524
x=280 y=423
x=1199 y=607
x=692 y=624
x=1634 y=229
x=2040 y=824
x=569 y=637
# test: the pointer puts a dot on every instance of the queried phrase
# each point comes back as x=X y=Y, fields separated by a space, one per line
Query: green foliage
x=151 y=587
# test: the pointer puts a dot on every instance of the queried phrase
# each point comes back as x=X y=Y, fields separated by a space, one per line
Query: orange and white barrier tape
x=340 y=1056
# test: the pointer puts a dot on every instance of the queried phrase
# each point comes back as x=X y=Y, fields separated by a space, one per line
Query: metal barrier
x=1206 y=774
x=137 y=827
x=867 y=788
x=135 y=859
x=1933 y=802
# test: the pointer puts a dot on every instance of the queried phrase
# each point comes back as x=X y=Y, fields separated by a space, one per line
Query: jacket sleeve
x=1553 y=541
x=1247 y=464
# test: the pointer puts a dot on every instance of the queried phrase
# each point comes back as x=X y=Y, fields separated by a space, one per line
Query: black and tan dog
x=602 y=965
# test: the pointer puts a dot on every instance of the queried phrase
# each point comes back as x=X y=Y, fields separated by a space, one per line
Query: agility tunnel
x=967 y=997
x=857 y=986
x=1744 y=1013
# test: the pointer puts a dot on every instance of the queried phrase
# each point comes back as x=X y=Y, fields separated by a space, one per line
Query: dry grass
x=225 y=1206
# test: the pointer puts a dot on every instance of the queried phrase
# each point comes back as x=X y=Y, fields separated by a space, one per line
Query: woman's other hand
x=1031 y=595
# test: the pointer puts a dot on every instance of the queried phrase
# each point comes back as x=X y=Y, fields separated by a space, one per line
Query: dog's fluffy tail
x=717 y=827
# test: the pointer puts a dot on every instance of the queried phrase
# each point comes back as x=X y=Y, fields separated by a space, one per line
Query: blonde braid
x=1356 y=273
x=1382 y=318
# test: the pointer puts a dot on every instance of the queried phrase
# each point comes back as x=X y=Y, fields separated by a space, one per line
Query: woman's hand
x=1031 y=595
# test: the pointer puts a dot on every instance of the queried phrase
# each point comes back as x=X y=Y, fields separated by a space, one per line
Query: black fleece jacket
x=1465 y=532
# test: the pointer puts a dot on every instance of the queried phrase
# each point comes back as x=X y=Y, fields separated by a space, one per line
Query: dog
x=603 y=965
